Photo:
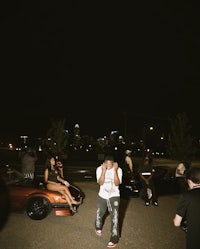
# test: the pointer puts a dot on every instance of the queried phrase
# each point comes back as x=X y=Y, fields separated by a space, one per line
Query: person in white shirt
x=109 y=177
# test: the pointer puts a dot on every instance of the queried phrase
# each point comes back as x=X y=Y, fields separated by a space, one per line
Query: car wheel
x=38 y=208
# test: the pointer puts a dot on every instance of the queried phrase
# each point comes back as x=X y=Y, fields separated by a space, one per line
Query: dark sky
x=95 y=69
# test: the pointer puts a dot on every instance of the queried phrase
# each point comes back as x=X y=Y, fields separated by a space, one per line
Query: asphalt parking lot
x=141 y=227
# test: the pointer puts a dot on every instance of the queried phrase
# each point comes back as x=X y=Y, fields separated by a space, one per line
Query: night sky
x=98 y=69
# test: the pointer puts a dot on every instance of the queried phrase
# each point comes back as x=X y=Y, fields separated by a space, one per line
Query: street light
x=145 y=131
x=24 y=138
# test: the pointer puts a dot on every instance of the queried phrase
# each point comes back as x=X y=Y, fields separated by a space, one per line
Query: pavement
x=141 y=227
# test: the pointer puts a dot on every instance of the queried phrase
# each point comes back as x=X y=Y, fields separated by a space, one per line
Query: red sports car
x=33 y=198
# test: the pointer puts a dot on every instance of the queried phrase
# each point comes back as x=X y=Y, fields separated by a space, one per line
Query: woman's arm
x=46 y=175
x=63 y=181
x=61 y=172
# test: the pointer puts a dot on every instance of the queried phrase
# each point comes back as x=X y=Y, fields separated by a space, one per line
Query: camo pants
x=112 y=205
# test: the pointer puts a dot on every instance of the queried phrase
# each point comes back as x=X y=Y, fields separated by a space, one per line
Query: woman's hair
x=193 y=174
x=48 y=163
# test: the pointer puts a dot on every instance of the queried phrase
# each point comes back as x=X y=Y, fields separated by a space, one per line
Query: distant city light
x=114 y=132
x=10 y=146
x=24 y=138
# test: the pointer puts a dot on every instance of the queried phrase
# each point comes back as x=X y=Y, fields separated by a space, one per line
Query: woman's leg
x=68 y=200
x=61 y=189
x=67 y=192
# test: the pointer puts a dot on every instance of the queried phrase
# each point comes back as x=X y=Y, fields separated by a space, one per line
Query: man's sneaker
x=98 y=232
x=147 y=203
x=111 y=244
x=155 y=203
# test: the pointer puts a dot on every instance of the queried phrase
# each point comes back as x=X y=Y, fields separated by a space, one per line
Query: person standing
x=28 y=161
x=129 y=163
x=109 y=177
x=188 y=209
x=146 y=175
x=180 y=177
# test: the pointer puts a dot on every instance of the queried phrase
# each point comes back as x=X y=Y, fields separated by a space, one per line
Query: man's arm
x=103 y=172
x=130 y=163
x=177 y=220
x=116 y=177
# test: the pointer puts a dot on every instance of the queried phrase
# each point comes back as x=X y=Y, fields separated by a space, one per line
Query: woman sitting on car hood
x=55 y=182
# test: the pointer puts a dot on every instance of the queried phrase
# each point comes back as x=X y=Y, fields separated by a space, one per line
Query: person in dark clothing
x=55 y=182
x=146 y=176
x=188 y=209
x=28 y=161
x=180 y=174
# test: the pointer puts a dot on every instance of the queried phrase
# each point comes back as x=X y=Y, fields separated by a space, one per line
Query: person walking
x=146 y=176
x=188 y=209
x=109 y=177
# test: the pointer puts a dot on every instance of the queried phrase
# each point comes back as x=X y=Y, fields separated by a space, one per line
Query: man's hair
x=109 y=157
x=193 y=174
x=148 y=159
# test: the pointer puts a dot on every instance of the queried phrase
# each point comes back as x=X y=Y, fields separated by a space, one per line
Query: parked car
x=164 y=179
x=33 y=198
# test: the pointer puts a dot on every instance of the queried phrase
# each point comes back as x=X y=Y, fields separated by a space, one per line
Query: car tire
x=38 y=208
